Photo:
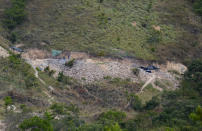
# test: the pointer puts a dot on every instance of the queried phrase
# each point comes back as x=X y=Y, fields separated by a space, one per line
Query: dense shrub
x=154 y=102
x=112 y=115
x=193 y=77
x=13 y=37
x=36 y=124
x=136 y=103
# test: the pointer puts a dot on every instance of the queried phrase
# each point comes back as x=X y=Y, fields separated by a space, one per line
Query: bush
x=113 y=115
x=70 y=63
x=60 y=77
x=7 y=101
x=136 y=103
x=64 y=79
x=13 y=37
x=154 y=102
x=36 y=124
x=48 y=71
x=58 y=108
x=193 y=76
x=114 y=127
x=136 y=71
x=30 y=81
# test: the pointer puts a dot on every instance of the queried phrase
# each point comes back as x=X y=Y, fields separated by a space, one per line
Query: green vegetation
x=102 y=28
x=65 y=79
x=194 y=76
x=156 y=30
x=48 y=71
x=197 y=115
x=136 y=103
x=136 y=71
x=114 y=127
x=7 y=101
x=70 y=63
x=198 y=7
x=148 y=93
x=16 y=73
x=112 y=115
x=170 y=110
x=15 y=15
x=37 y=124
x=154 y=102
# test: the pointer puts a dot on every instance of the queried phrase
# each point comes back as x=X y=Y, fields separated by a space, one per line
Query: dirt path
x=50 y=100
x=147 y=83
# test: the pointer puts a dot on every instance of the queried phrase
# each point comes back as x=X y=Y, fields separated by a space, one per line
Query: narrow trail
x=37 y=75
x=147 y=83
x=50 y=87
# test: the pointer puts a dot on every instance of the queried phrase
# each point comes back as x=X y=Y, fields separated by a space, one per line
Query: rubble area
x=90 y=69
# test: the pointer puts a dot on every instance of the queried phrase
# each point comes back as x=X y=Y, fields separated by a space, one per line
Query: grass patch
x=148 y=93
x=102 y=29
x=15 y=73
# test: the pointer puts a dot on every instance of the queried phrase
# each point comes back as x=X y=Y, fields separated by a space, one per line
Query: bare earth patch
x=3 y=53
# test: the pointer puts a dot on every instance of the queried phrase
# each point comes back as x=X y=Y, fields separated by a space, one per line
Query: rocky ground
x=90 y=69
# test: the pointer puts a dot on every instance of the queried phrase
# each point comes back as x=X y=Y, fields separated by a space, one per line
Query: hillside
x=123 y=28
x=100 y=65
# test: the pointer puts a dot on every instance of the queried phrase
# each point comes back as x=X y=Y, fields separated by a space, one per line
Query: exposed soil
x=3 y=53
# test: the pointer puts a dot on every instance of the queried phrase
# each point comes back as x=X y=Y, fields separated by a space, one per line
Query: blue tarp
x=56 y=52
